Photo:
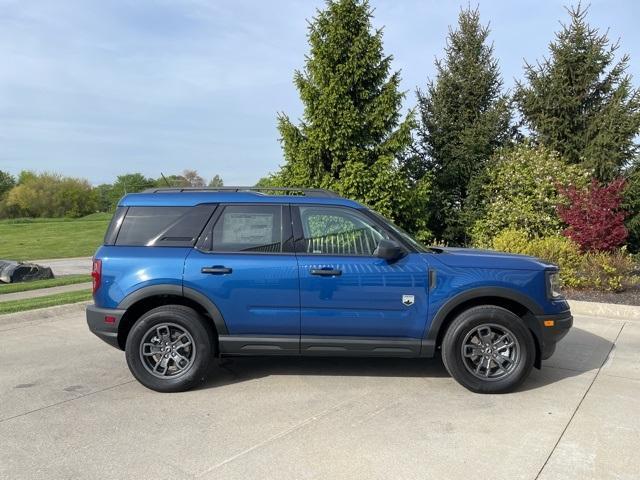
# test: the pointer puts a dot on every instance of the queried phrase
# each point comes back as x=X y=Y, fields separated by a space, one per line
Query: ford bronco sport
x=186 y=275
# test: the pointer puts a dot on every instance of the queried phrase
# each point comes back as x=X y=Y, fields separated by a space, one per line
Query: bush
x=558 y=250
x=612 y=272
x=608 y=271
x=591 y=212
x=521 y=192
x=50 y=195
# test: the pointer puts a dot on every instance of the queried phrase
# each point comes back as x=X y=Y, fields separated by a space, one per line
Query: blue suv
x=186 y=275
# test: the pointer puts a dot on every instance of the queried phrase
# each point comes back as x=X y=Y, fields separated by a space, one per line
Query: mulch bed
x=628 y=297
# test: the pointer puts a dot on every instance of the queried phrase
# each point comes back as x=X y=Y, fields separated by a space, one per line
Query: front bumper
x=104 y=323
x=553 y=328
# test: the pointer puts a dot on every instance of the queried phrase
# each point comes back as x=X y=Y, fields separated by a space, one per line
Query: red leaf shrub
x=594 y=218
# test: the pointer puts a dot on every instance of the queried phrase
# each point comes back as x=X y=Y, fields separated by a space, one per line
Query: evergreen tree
x=216 y=181
x=579 y=102
x=351 y=135
x=631 y=203
x=464 y=118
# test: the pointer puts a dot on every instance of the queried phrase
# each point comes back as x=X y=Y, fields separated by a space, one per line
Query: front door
x=247 y=267
x=350 y=299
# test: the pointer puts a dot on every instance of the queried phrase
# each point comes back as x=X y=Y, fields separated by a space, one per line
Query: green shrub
x=520 y=192
x=558 y=250
x=50 y=195
x=611 y=272
x=607 y=271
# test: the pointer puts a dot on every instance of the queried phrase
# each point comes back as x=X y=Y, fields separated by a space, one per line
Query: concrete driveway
x=67 y=266
x=70 y=409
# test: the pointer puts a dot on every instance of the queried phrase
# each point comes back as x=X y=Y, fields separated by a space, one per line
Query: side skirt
x=258 y=345
x=324 y=346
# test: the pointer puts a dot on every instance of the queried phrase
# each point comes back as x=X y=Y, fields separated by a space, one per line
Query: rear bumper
x=553 y=328
x=104 y=322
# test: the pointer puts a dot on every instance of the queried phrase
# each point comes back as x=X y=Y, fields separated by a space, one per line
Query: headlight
x=553 y=285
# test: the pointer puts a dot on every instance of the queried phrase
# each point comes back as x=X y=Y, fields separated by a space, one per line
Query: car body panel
x=366 y=299
x=259 y=296
x=487 y=259
x=127 y=269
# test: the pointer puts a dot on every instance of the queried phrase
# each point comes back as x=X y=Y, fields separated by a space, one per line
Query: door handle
x=216 y=270
x=326 y=272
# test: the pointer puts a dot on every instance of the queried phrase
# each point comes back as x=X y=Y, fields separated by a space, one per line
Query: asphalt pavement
x=69 y=408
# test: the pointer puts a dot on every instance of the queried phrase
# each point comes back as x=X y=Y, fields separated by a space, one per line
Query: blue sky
x=94 y=88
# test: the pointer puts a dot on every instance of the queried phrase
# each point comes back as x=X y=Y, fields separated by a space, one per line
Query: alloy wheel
x=167 y=350
x=490 y=352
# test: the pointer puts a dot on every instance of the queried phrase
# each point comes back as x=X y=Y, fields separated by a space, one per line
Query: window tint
x=163 y=226
x=338 y=231
x=114 y=226
x=248 y=228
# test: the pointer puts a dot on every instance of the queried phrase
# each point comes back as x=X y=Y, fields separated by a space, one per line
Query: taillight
x=96 y=274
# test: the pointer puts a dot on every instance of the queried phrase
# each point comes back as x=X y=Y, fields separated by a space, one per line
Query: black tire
x=469 y=342
x=181 y=326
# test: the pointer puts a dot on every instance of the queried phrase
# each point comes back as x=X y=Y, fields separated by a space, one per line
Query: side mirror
x=388 y=250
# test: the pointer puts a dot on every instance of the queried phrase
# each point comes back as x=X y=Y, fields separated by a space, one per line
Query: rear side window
x=248 y=228
x=163 y=226
x=114 y=226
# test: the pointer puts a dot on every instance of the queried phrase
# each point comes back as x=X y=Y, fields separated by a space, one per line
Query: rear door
x=351 y=300
x=246 y=265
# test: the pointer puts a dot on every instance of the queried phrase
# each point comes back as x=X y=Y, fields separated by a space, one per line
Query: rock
x=12 y=272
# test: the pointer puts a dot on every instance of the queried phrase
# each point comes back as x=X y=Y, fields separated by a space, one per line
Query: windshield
x=400 y=232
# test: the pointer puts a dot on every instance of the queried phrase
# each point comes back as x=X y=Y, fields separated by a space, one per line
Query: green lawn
x=31 y=239
x=52 y=282
x=43 y=302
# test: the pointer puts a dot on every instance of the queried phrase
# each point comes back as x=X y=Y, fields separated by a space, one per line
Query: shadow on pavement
x=580 y=352
x=238 y=369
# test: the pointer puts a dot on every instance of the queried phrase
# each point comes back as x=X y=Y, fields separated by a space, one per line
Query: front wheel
x=488 y=349
x=169 y=349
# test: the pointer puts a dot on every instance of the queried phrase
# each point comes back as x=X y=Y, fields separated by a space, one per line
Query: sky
x=97 y=88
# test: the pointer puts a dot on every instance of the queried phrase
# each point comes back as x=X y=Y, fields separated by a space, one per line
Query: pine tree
x=579 y=102
x=216 y=181
x=464 y=118
x=351 y=135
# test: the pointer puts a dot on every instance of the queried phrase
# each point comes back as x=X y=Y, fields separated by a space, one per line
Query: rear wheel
x=488 y=349
x=169 y=349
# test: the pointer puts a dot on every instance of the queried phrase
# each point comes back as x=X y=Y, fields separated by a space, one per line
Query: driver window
x=338 y=231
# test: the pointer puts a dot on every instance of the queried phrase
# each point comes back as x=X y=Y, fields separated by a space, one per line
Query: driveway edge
x=42 y=313
x=609 y=310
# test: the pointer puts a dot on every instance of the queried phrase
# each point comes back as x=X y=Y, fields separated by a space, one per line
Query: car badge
x=408 y=300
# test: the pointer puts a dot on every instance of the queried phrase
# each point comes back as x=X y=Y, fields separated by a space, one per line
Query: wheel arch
x=141 y=301
x=512 y=300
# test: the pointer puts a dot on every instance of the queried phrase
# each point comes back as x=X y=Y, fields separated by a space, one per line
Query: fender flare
x=179 y=291
x=431 y=334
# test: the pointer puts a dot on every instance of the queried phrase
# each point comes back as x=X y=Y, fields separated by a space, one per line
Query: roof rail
x=308 y=192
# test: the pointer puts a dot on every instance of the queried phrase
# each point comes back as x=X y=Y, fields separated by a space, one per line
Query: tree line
x=52 y=195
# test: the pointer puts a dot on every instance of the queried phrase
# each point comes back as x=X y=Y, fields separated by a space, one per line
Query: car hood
x=476 y=258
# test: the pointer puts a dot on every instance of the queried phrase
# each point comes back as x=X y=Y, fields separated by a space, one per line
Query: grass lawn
x=42 y=302
x=31 y=239
x=36 y=284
